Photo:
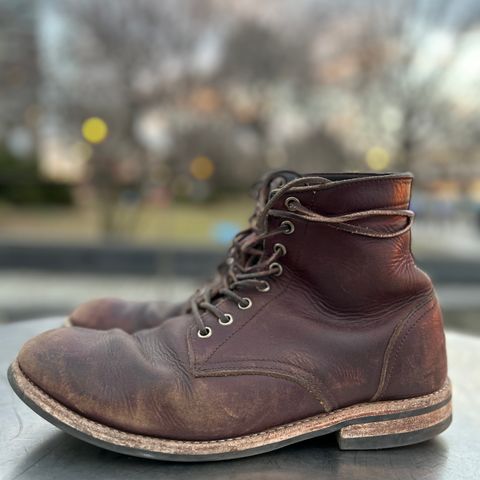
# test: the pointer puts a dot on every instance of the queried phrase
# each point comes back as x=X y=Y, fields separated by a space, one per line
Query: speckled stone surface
x=31 y=448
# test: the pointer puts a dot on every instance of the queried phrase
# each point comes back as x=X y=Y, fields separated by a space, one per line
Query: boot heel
x=406 y=429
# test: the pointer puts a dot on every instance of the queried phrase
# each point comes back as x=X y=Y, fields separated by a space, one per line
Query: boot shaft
x=348 y=293
x=345 y=270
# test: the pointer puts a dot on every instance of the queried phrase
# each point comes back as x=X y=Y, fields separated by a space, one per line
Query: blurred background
x=131 y=132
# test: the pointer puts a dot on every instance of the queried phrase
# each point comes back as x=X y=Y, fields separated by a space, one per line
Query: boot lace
x=247 y=266
x=263 y=189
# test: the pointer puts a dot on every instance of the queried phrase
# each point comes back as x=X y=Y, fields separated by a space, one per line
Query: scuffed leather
x=419 y=340
x=142 y=383
x=347 y=313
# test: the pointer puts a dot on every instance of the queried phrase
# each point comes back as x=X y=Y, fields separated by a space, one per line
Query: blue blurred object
x=223 y=232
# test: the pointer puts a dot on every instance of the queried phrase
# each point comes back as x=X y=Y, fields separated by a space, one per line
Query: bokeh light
x=377 y=158
x=474 y=190
x=202 y=168
x=94 y=130
x=206 y=100
x=224 y=231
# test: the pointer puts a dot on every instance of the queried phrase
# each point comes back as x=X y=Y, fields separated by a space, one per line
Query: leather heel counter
x=415 y=361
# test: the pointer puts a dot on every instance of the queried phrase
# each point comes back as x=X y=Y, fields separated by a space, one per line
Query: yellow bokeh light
x=377 y=158
x=94 y=130
x=202 y=168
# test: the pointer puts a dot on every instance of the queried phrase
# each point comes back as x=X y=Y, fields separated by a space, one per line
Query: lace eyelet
x=223 y=322
x=207 y=333
x=280 y=248
x=288 y=227
x=292 y=203
x=248 y=303
x=276 y=269
x=265 y=288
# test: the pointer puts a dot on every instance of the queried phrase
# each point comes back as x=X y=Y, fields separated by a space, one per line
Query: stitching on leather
x=246 y=323
x=320 y=390
x=402 y=341
x=259 y=360
x=273 y=373
x=446 y=386
x=392 y=344
x=190 y=354
x=395 y=345
x=306 y=384
x=218 y=347
x=338 y=184
x=190 y=349
x=259 y=311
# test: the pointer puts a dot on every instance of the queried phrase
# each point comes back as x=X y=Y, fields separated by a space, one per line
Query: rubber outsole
x=374 y=425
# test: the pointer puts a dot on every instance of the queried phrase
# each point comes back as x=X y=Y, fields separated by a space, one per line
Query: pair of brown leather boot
x=318 y=321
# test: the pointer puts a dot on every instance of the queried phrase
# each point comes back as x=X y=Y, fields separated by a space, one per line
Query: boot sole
x=374 y=425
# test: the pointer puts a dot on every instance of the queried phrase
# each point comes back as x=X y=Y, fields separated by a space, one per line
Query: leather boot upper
x=347 y=318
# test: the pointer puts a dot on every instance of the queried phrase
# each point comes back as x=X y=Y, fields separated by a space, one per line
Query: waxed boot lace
x=247 y=264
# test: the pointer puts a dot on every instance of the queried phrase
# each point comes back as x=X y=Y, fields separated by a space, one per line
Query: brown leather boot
x=324 y=324
x=107 y=313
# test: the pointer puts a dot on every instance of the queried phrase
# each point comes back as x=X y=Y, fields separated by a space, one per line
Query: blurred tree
x=18 y=68
x=255 y=55
x=319 y=148
x=21 y=183
x=228 y=89
x=267 y=76
x=119 y=58
x=405 y=53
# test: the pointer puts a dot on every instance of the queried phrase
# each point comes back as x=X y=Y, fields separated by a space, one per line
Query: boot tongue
x=267 y=187
x=278 y=179
x=269 y=184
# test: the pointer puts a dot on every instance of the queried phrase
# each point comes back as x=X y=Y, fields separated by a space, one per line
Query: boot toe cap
x=41 y=358
x=61 y=363
x=102 y=375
